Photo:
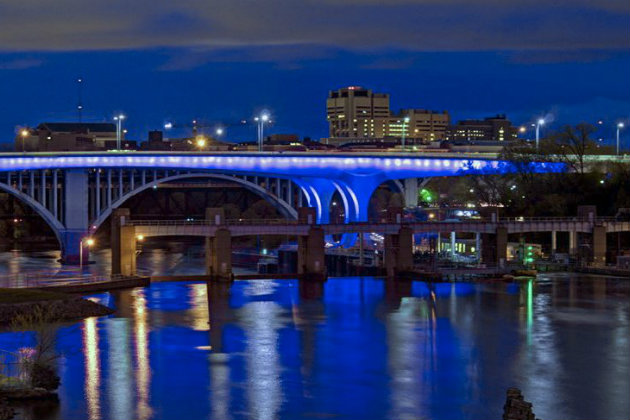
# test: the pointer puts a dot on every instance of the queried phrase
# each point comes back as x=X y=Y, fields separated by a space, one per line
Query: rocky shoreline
x=67 y=309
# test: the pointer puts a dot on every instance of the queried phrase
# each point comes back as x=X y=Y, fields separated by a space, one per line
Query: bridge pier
x=311 y=251
x=219 y=248
x=494 y=247
x=599 y=245
x=399 y=252
x=123 y=244
x=75 y=216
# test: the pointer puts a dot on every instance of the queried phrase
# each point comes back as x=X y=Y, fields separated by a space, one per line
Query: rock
x=516 y=408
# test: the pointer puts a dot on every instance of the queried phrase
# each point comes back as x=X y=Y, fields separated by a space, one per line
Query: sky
x=162 y=61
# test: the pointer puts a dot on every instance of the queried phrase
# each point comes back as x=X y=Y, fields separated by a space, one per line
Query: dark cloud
x=418 y=25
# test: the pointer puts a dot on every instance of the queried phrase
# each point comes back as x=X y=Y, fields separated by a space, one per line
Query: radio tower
x=80 y=98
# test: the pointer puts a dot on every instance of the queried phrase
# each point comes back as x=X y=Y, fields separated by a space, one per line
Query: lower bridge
x=491 y=236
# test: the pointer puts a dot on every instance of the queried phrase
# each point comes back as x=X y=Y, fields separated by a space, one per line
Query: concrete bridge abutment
x=218 y=248
x=311 y=250
x=123 y=244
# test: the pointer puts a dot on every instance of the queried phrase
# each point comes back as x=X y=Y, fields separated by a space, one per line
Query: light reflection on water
x=354 y=348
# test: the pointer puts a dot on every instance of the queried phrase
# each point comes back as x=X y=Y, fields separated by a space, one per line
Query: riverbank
x=53 y=306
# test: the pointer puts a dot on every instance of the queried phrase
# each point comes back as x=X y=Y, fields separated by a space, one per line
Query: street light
x=261 y=120
x=201 y=142
x=219 y=131
x=405 y=122
x=118 y=120
x=84 y=242
x=24 y=133
x=539 y=123
x=619 y=127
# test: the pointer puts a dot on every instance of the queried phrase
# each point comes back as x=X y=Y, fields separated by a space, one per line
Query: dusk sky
x=224 y=60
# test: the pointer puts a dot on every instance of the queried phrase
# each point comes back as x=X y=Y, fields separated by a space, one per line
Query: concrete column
x=109 y=188
x=42 y=188
x=75 y=214
x=97 y=188
x=478 y=245
x=220 y=249
x=554 y=242
x=599 y=245
x=143 y=177
x=20 y=186
x=311 y=254
x=31 y=184
x=279 y=188
x=399 y=252
x=55 y=195
x=307 y=215
x=120 y=183
x=573 y=243
x=289 y=193
x=123 y=243
x=132 y=180
x=300 y=199
x=453 y=241
x=411 y=192
x=502 y=240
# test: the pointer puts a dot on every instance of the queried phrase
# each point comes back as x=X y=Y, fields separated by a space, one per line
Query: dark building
x=497 y=128
x=66 y=136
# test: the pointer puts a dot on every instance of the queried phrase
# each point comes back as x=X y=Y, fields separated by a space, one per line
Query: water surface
x=350 y=348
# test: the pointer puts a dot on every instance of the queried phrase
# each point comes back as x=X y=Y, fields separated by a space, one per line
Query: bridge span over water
x=76 y=192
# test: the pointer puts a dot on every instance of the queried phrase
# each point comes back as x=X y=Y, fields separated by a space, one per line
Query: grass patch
x=28 y=295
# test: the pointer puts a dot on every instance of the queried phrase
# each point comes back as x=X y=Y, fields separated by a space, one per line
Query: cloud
x=416 y=25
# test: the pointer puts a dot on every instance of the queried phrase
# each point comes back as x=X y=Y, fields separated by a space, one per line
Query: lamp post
x=118 y=120
x=539 y=123
x=201 y=141
x=404 y=127
x=84 y=241
x=619 y=127
x=24 y=133
x=261 y=120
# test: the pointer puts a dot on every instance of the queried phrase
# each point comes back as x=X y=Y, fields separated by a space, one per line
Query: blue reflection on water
x=350 y=348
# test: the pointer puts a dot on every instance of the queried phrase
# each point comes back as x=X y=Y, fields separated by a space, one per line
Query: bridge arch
x=282 y=206
x=55 y=225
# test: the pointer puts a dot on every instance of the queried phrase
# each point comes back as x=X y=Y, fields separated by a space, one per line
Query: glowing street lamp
x=201 y=142
x=619 y=127
x=539 y=123
x=85 y=242
x=219 y=131
x=24 y=134
x=118 y=120
x=261 y=120
x=404 y=128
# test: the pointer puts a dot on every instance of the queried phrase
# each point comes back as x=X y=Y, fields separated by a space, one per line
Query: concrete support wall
x=311 y=253
x=219 y=248
x=399 y=252
x=75 y=211
x=599 y=245
x=411 y=192
x=123 y=244
x=494 y=247
x=502 y=241
x=573 y=242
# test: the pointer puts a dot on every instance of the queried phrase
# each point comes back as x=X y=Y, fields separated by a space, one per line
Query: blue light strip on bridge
x=321 y=166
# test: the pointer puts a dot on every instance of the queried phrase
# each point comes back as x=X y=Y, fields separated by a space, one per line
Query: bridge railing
x=254 y=222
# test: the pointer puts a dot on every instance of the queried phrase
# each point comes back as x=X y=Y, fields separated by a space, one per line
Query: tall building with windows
x=497 y=128
x=358 y=114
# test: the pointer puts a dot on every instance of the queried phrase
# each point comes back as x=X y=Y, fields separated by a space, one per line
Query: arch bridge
x=76 y=192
